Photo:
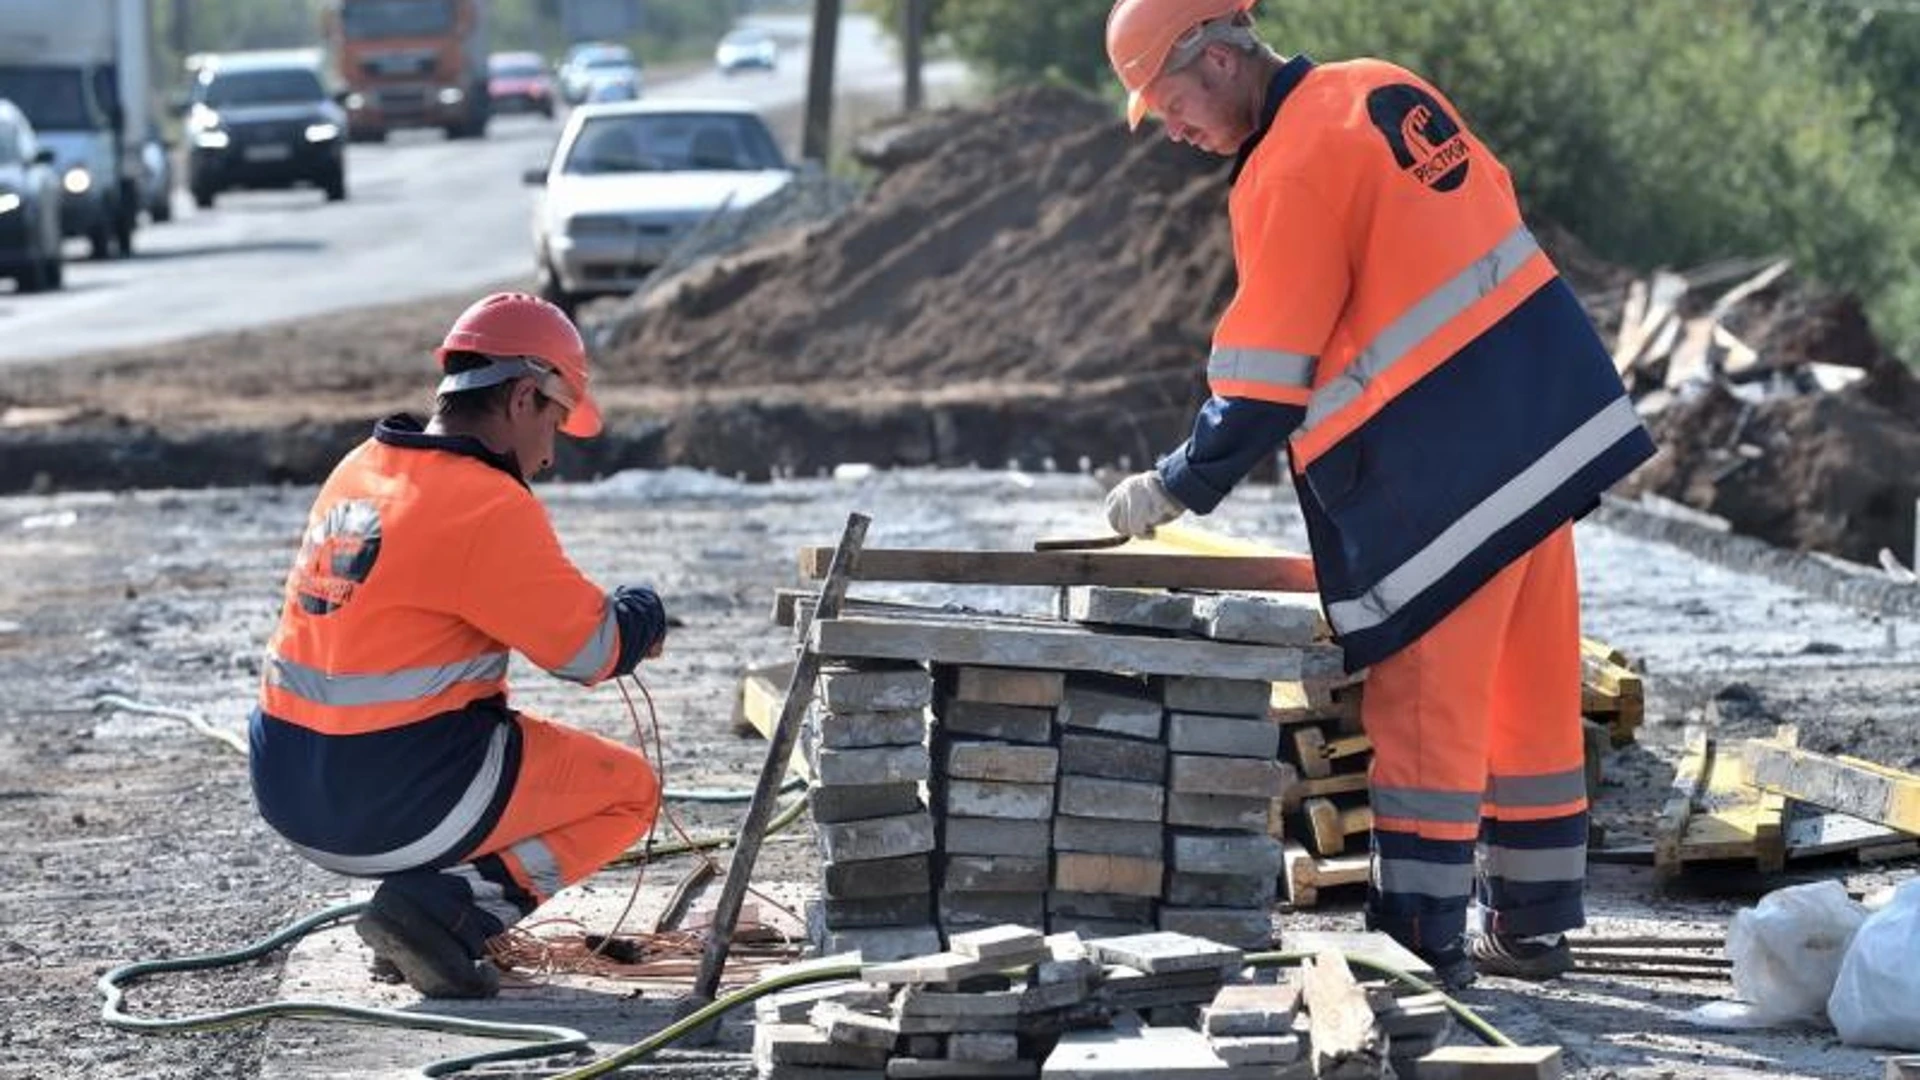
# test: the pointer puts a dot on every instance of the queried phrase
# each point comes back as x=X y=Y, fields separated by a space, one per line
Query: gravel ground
x=131 y=836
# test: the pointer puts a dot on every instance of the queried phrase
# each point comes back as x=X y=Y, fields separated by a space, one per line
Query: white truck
x=81 y=71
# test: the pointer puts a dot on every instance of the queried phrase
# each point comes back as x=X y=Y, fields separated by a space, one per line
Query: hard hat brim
x=583 y=420
x=1136 y=110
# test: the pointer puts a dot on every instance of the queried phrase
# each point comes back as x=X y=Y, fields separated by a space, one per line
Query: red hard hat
x=1140 y=34
x=513 y=326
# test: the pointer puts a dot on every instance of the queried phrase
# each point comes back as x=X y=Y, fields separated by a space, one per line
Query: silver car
x=628 y=181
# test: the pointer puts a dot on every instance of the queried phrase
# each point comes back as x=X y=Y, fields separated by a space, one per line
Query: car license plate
x=269 y=152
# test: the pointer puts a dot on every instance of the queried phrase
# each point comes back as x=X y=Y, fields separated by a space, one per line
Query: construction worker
x=383 y=745
x=1447 y=411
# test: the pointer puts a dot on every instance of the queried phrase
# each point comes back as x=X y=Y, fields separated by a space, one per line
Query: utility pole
x=180 y=29
x=817 y=137
x=912 y=35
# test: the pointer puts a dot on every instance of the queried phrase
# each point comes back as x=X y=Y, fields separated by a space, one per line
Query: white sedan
x=630 y=180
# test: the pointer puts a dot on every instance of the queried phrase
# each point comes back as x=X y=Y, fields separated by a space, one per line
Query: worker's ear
x=523 y=400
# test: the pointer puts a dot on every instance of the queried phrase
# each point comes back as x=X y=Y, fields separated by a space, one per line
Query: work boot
x=1546 y=956
x=427 y=955
x=1453 y=969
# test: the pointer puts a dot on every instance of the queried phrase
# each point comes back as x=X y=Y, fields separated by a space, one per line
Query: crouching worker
x=383 y=745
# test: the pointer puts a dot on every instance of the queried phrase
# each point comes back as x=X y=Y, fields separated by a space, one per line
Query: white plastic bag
x=1787 y=950
x=1876 y=1000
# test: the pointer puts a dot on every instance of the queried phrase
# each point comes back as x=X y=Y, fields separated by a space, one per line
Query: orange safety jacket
x=382 y=729
x=1445 y=401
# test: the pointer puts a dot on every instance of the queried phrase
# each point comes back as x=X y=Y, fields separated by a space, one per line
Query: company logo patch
x=336 y=556
x=1426 y=141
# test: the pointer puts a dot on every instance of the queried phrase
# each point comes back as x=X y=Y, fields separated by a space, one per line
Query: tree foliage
x=1663 y=132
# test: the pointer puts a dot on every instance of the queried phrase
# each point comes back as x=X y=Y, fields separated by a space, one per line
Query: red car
x=520 y=82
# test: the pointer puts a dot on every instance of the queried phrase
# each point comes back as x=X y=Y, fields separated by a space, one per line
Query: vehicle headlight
x=212 y=140
x=77 y=180
x=356 y=101
x=451 y=95
x=323 y=132
x=9 y=202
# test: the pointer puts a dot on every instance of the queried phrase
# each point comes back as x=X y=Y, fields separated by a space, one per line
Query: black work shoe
x=1454 y=971
x=1521 y=958
x=427 y=954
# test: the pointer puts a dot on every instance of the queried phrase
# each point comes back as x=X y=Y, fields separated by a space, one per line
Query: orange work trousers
x=577 y=801
x=1477 y=750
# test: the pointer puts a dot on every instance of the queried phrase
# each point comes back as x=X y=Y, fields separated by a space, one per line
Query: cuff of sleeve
x=1184 y=484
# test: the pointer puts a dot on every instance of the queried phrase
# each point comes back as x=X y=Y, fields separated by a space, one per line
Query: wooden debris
x=1305 y=875
x=1318 y=757
x=1330 y=826
x=1485 y=1063
x=1715 y=813
x=1127 y=570
x=1346 y=1042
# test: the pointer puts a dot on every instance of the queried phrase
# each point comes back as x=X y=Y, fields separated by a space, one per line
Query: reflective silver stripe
x=460 y=821
x=1537 y=864
x=488 y=896
x=597 y=653
x=388 y=688
x=1421 y=321
x=1446 y=881
x=1549 y=790
x=502 y=369
x=1270 y=366
x=1495 y=512
x=541 y=867
x=1421 y=804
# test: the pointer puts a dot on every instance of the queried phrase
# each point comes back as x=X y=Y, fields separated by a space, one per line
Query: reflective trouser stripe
x=1440 y=880
x=1419 y=804
x=488 y=895
x=1472 y=529
x=1536 y=864
x=542 y=870
x=1551 y=789
x=441 y=839
x=597 y=654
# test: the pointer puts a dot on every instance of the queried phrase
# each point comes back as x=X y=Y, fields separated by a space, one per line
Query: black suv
x=264 y=121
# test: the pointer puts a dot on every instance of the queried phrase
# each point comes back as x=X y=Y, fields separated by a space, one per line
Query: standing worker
x=1447 y=410
x=383 y=745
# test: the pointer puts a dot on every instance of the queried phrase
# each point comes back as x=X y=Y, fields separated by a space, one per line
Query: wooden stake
x=773 y=771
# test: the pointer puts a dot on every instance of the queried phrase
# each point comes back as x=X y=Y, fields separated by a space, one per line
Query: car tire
x=55 y=274
x=335 y=185
x=162 y=212
x=553 y=292
x=32 y=277
x=203 y=198
x=100 y=241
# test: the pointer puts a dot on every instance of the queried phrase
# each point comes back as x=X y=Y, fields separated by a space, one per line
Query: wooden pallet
x=1611 y=693
x=1715 y=813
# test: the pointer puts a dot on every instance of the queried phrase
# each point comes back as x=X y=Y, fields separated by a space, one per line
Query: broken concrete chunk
x=1165 y=952
x=1000 y=943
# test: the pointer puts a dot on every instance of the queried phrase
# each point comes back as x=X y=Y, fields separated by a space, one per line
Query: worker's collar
x=407 y=433
x=1284 y=81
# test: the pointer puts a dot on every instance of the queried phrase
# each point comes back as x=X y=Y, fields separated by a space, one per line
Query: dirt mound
x=1032 y=240
x=1832 y=472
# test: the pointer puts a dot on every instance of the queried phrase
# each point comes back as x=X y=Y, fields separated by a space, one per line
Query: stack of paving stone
x=993 y=793
x=865 y=743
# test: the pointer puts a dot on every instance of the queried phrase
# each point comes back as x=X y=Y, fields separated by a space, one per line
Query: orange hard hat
x=1140 y=34
x=525 y=336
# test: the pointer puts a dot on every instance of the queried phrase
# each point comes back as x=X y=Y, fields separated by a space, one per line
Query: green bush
x=1662 y=132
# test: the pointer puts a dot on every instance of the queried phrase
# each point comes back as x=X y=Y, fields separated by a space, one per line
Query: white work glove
x=1139 y=503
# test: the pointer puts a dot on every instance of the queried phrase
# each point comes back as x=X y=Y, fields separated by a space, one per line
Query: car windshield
x=54 y=99
x=672 y=142
x=285 y=86
x=371 y=20
x=746 y=38
x=609 y=63
x=517 y=67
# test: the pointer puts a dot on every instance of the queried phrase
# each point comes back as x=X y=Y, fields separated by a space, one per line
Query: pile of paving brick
x=1111 y=785
x=1006 y=1003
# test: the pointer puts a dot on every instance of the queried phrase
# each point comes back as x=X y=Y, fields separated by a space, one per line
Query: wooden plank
x=1250 y=573
x=1331 y=825
x=1293 y=795
x=1862 y=788
x=1344 y=1037
x=1063 y=647
x=1304 y=875
x=757 y=709
x=1689 y=779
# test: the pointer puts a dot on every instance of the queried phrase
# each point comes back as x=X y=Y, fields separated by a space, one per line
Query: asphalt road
x=424 y=217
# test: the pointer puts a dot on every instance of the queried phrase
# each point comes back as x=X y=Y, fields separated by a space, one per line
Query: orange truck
x=410 y=64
